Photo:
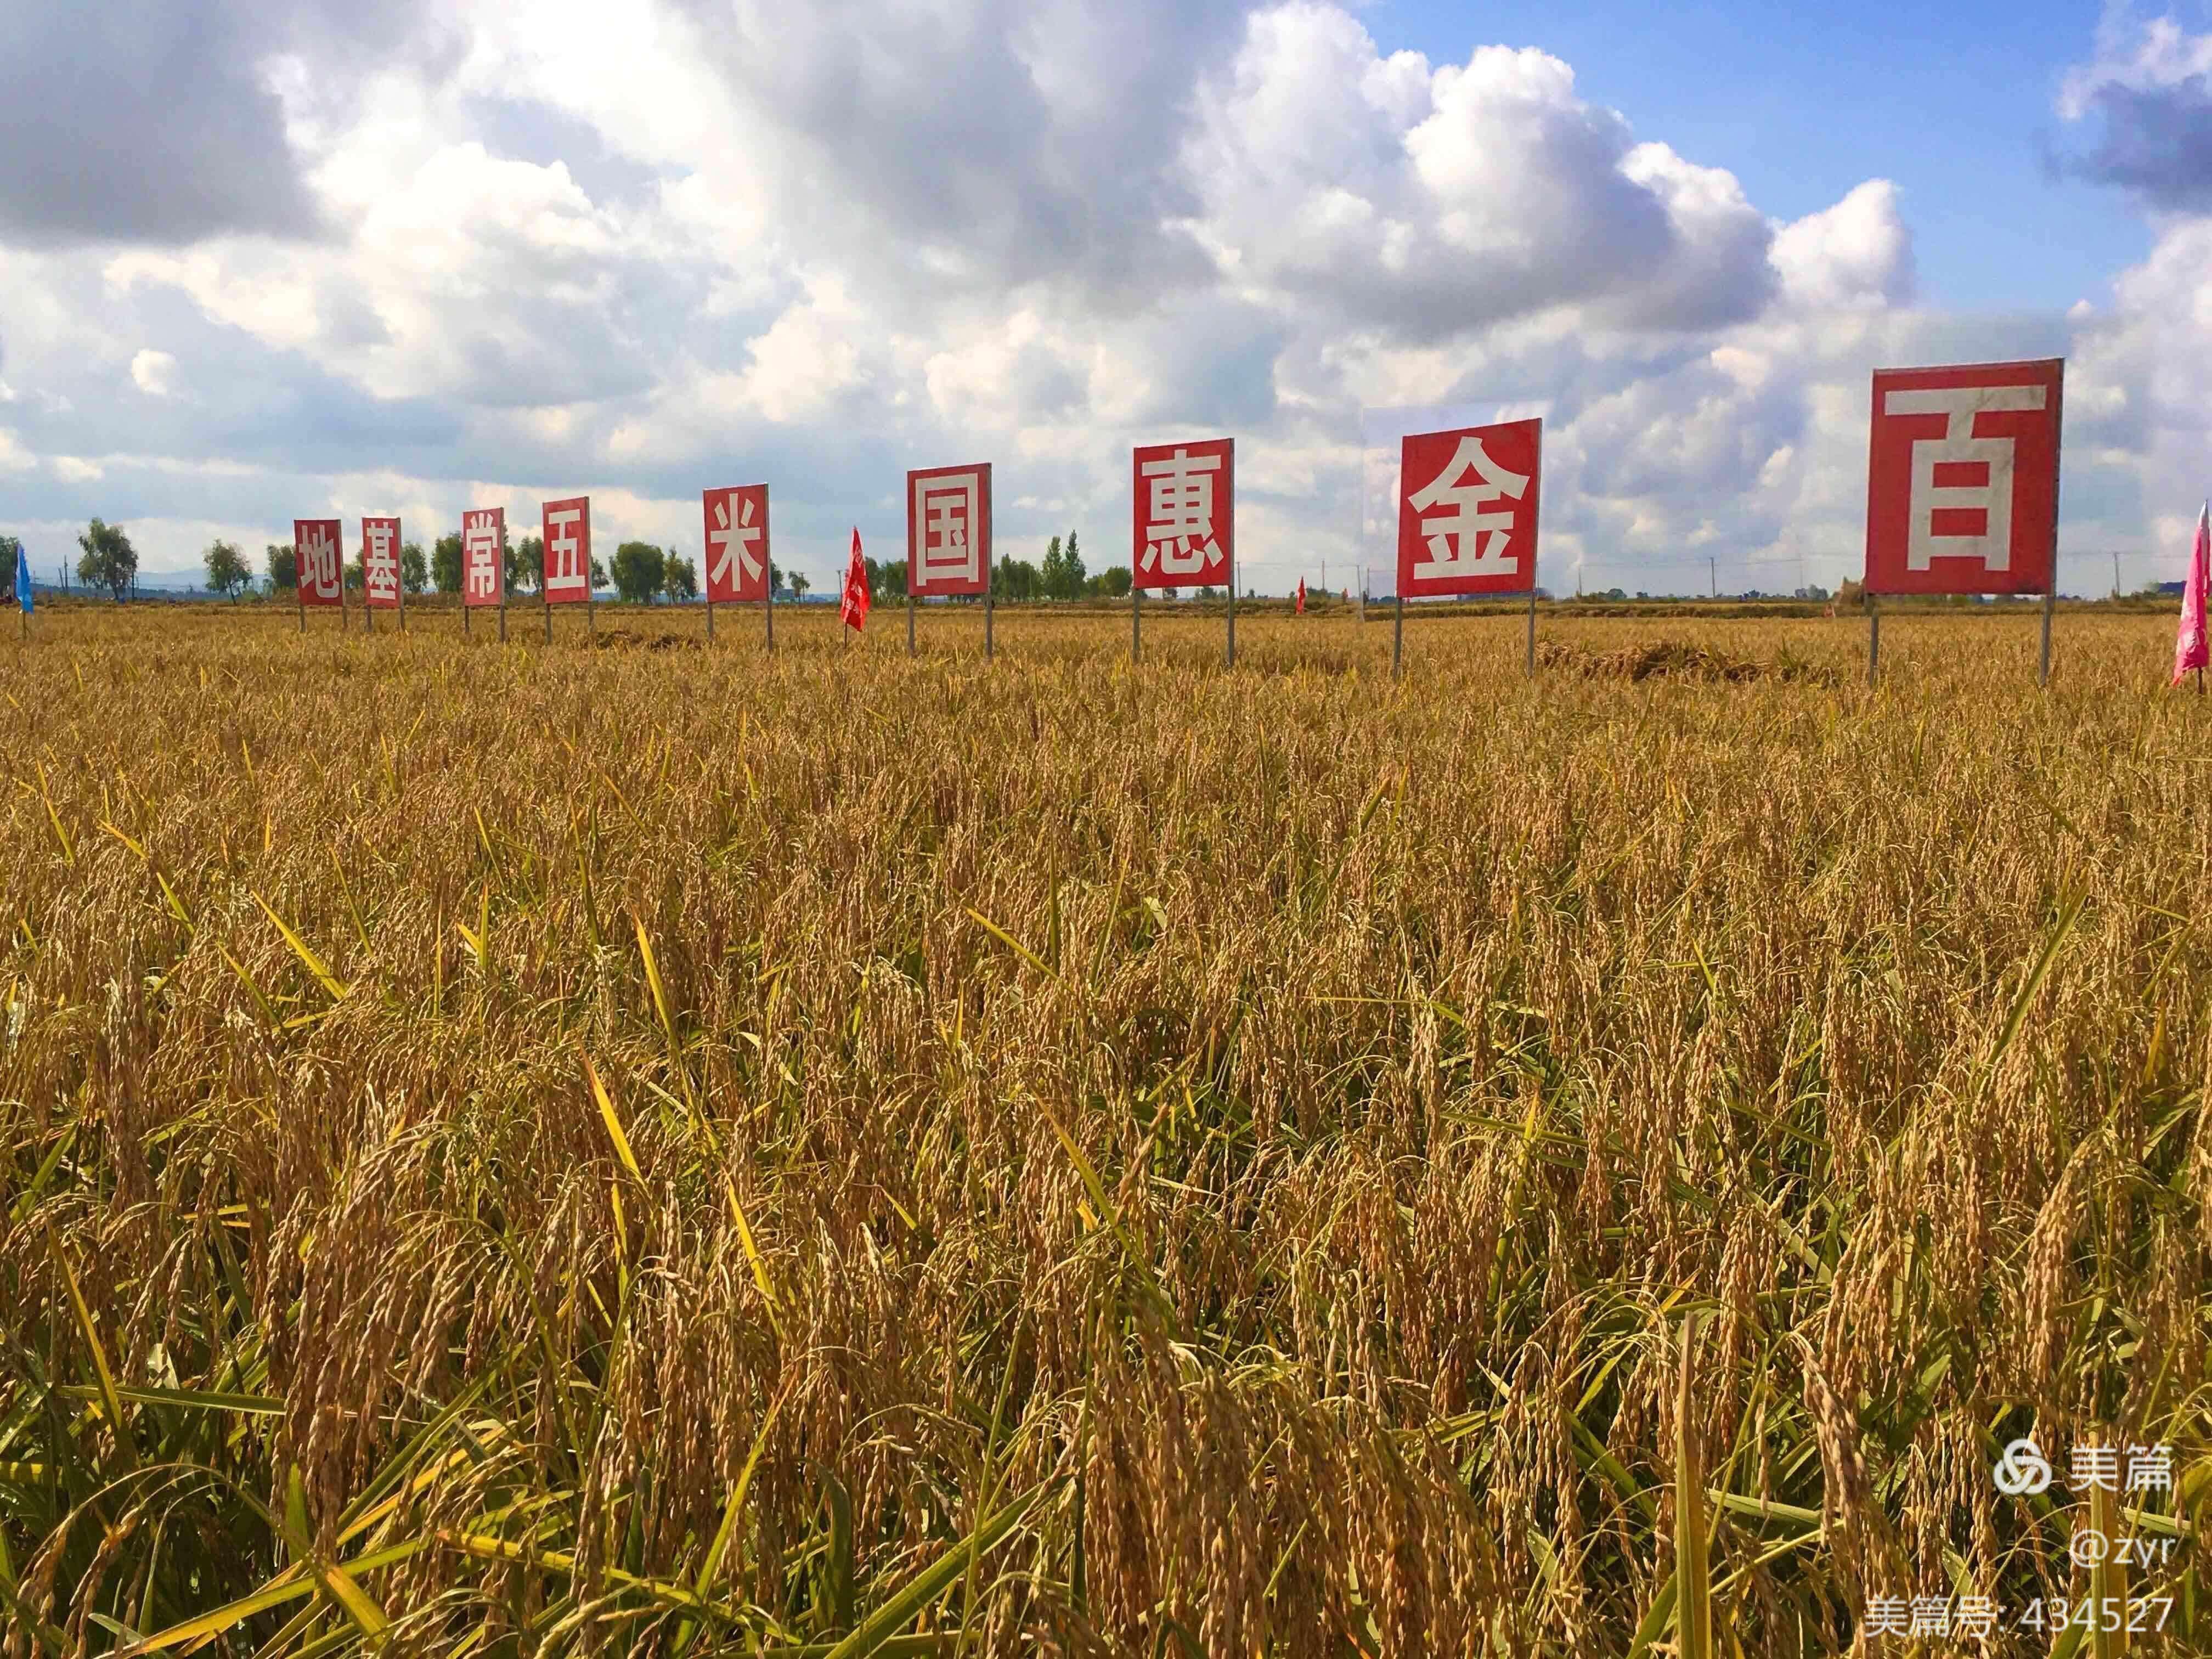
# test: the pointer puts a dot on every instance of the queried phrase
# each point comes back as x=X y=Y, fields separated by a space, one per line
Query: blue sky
x=333 y=257
x=1953 y=101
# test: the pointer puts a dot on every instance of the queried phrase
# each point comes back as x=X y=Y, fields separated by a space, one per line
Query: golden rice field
x=512 y=1151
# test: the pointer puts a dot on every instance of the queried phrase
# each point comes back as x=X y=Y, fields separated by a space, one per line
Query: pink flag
x=852 y=606
x=2190 y=650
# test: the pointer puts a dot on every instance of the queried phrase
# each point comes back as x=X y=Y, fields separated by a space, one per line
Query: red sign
x=321 y=570
x=736 y=544
x=483 y=554
x=1962 y=479
x=569 y=551
x=379 y=563
x=1466 y=510
x=1185 y=514
x=948 y=530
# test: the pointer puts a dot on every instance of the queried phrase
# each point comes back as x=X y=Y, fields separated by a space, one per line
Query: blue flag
x=23 y=579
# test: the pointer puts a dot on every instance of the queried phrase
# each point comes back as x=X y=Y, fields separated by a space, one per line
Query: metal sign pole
x=1529 y=664
x=2050 y=585
x=299 y=587
x=403 y=590
x=769 y=610
x=1135 y=639
x=909 y=617
x=710 y=607
x=545 y=593
x=1231 y=660
x=1873 y=637
x=2050 y=604
x=986 y=619
x=1397 y=635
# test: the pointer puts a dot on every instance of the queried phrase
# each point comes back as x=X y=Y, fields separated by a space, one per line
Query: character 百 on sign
x=948 y=538
x=379 y=563
x=1962 y=479
x=736 y=544
x=319 y=572
x=484 y=545
x=1185 y=516
x=568 y=533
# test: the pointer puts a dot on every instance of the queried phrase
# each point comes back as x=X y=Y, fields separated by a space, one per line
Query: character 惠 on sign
x=948 y=530
x=567 y=552
x=484 y=549
x=1962 y=479
x=321 y=573
x=1185 y=514
x=1467 y=509
x=380 y=562
x=736 y=544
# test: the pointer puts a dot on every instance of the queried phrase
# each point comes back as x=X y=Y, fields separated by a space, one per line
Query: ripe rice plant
x=522 y=1151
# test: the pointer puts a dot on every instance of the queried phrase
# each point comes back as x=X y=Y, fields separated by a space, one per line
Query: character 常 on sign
x=567 y=552
x=320 y=572
x=736 y=544
x=1185 y=514
x=1466 y=510
x=1962 y=479
x=483 y=546
x=948 y=530
x=379 y=563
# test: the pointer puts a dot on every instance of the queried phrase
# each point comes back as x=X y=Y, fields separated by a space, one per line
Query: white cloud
x=154 y=372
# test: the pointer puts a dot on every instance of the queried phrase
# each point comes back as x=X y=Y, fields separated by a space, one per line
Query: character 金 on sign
x=1962 y=479
x=736 y=544
x=948 y=530
x=483 y=543
x=320 y=572
x=1466 y=510
x=567 y=551
x=1185 y=516
x=379 y=563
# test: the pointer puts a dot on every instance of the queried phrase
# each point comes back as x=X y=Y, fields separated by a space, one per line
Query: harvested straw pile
x=1677 y=660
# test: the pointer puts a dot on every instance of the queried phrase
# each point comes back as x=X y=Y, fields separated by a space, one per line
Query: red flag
x=1301 y=597
x=2190 y=646
x=853 y=610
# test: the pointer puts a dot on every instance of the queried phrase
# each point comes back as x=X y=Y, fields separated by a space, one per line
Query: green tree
x=886 y=578
x=227 y=572
x=799 y=584
x=446 y=563
x=414 y=570
x=1014 y=580
x=640 y=568
x=11 y=548
x=109 y=559
x=1071 y=569
x=598 y=573
x=283 y=563
x=355 y=575
x=526 y=569
x=1050 y=576
x=1111 y=583
x=681 y=581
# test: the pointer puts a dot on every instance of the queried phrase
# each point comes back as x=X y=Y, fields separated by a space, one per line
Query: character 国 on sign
x=948 y=530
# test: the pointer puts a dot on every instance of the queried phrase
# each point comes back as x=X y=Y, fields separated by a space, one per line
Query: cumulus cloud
x=2147 y=98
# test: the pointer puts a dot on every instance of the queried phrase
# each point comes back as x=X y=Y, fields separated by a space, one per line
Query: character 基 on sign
x=379 y=568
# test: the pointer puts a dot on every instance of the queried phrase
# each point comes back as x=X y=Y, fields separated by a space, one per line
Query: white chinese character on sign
x=480 y=552
x=564 y=564
x=1931 y=1615
x=945 y=507
x=1180 y=537
x=733 y=543
x=318 y=561
x=2094 y=1466
x=1958 y=450
x=2150 y=1468
x=1462 y=539
x=1888 y=1615
x=380 y=562
x=1976 y=1616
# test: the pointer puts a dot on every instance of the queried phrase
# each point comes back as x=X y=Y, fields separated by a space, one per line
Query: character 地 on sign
x=320 y=576
x=1466 y=510
x=1185 y=514
x=948 y=530
x=1962 y=479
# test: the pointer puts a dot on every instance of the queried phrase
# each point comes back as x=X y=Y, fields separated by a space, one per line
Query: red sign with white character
x=483 y=554
x=569 y=551
x=1962 y=479
x=1185 y=517
x=736 y=544
x=320 y=572
x=948 y=530
x=1466 y=510
x=379 y=563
